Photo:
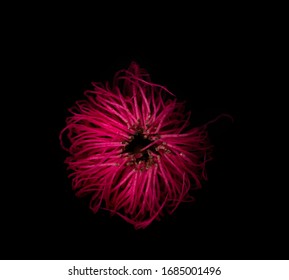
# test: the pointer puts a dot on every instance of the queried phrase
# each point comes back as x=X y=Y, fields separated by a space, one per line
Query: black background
x=217 y=66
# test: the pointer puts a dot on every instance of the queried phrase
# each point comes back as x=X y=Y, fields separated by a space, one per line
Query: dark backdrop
x=218 y=68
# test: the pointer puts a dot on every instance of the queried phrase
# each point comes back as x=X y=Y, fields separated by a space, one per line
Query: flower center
x=135 y=146
x=141 y=152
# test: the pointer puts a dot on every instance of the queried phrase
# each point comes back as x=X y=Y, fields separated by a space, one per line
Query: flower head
x=132 y=150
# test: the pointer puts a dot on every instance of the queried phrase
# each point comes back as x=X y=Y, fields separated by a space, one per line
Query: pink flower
x=131 y=148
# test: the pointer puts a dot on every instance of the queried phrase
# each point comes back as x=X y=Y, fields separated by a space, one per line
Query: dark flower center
x=136 y=144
